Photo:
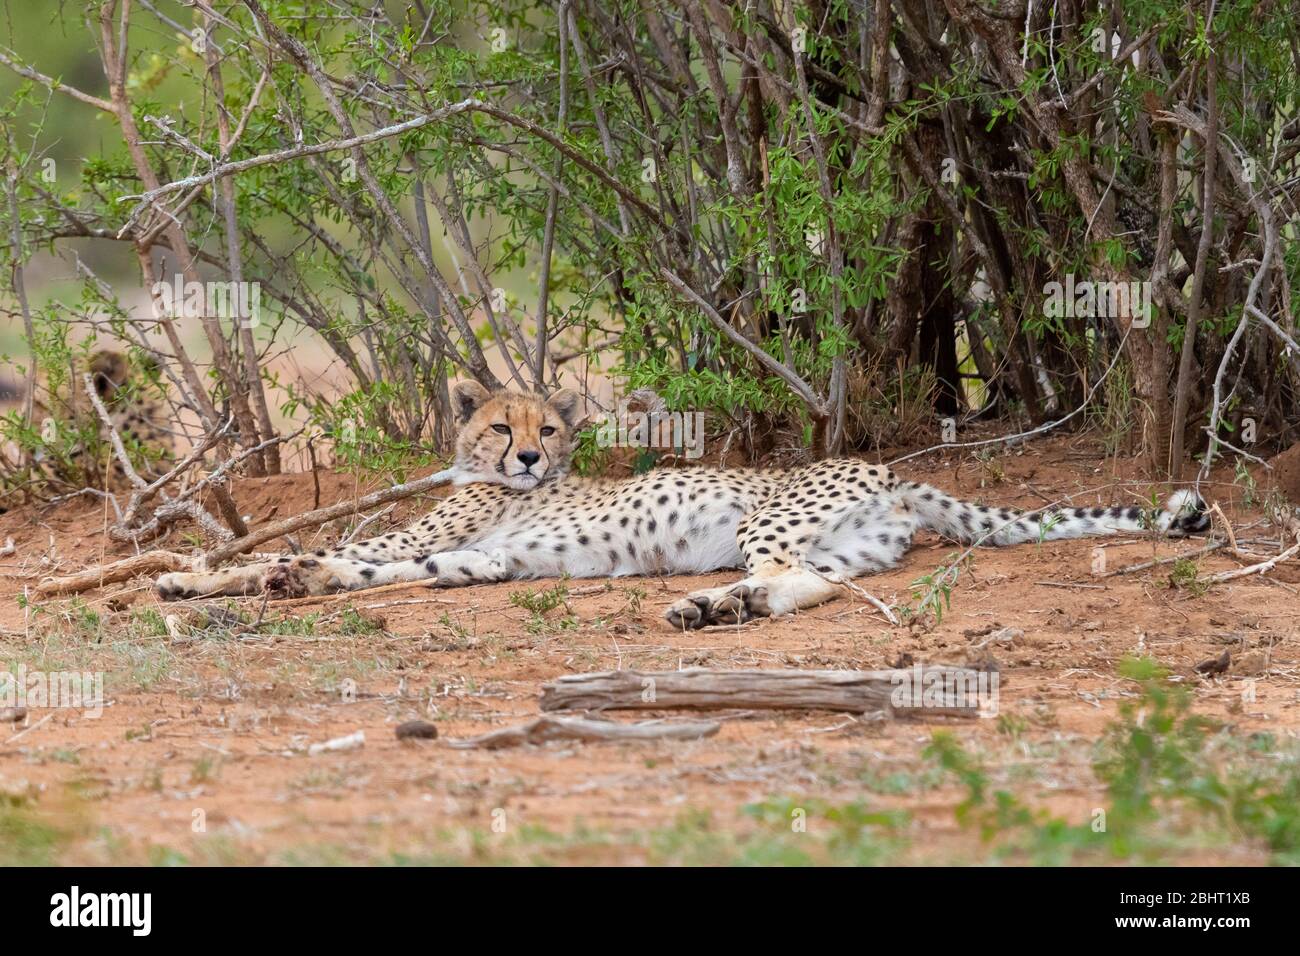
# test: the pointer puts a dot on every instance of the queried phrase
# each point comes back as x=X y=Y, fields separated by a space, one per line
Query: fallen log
x=579 y=728
x=151 y=562
x=910 y=691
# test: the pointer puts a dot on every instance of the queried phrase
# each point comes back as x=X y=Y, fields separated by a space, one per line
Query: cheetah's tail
x=1183 y=514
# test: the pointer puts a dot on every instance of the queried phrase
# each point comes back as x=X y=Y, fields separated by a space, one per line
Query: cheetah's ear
x=568 y=405
x=466 y=399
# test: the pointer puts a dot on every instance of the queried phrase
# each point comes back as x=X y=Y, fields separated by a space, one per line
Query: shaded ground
x=201 y=752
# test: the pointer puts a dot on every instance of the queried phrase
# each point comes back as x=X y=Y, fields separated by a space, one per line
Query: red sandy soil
x=200 y=754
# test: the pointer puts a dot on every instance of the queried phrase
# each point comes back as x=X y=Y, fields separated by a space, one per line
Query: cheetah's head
x=511 y=439
x=109 y=372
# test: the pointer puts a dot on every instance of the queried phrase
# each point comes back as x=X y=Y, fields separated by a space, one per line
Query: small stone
x=416 y=730
x=1251 y=664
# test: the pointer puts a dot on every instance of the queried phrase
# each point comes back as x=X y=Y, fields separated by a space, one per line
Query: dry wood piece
x=912 y=691
x=1172 y=559
x=580 y=728
x=151 y=562
x=345 y=596
x=1291 y=529
x=350 y=742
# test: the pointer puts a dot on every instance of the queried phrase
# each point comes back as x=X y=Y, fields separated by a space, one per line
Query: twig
x=151 y=562
x=580 y=728
x=855 y=588
x=364 y=523
x=348 y=595
x=1260 y=568
x=27 y=730
x=1132 y=568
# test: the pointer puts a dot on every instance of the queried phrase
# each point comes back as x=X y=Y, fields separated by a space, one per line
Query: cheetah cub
x=516 y=513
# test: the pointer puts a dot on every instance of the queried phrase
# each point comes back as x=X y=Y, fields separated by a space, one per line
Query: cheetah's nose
x=529 y=458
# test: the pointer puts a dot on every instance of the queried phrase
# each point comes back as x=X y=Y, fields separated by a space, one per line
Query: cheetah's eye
x=548 y=431
x=501 y=429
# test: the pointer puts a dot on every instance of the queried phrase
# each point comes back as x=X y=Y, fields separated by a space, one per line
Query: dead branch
x=928 y=691
x=580 y=728
x=151 y=562
x=1291 y=527
x=314 y=519
x=1134 y=568
x=365 y=523
x=346 y=596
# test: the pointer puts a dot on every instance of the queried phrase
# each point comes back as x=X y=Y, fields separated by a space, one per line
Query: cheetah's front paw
x=302 y=577
x=178 y=584
x=730 y=605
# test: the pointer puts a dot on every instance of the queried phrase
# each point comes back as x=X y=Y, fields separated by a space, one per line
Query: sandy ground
x=201 y=752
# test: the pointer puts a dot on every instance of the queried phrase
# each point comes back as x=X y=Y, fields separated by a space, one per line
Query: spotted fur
x=517 y=514
x=139 y=420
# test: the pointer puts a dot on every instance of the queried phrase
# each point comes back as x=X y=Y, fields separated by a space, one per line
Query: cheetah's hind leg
x=772 y=594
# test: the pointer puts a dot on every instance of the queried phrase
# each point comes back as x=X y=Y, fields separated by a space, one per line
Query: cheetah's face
x=514 y=440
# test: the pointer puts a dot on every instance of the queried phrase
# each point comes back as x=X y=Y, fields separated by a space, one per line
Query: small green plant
x=931 y=596
x=1163 y=781
x=1011 y=725
x=589 y=456
x=287 y=626
x=204 y=769
x=1045 y=525
x=456 y=629
x=542 y=602
x=1185 y=575
x=25 y=839
x=355 y=624
x=1246 y=481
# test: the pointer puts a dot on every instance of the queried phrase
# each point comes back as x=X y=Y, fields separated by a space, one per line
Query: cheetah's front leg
x=227 y=581
x=312 y=575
